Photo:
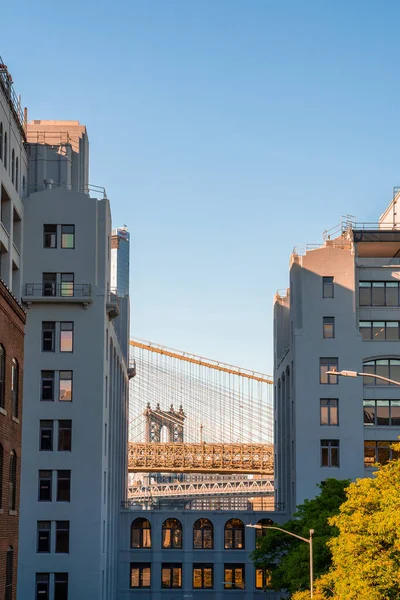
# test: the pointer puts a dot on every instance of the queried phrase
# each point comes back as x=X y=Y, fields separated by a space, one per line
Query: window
x=329 y=411
x=23 y=185
x=50 y=236
x=172 y=534
x=327 y=287
x=202 y=576
x=140 y=575
x=60 y=586
x=65 y=386
x=13 y=165
x=203 y=534
x=1 y=141
x=62 y=537
x=67 y=284
x=46 y=435
x=234 y=534
x=328 y=327
x=329 y=453
x=380 y=330
x=49 y=284
x=382 y=412
x=64 y=435
x=45 y=486
x=42 y=586
x=2 y=376
x=1 y=474
x=5 y=150
x=43 y=536
x=66 y=336
x=67 y=236
x=378 y=452
x=47 y=386
x=12 y=481
x=262 y=531
x=9 y=573
x=14 y=388
x=378 y=293
x=263 y=578
x=63 y=486
x=141 y=533
x=16 y=173
x=386 y=367
x=48 y=336
x=234 y=576
x=171 y=575
x=328 y=364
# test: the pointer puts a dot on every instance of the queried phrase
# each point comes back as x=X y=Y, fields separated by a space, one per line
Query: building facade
x=341 y=312
x=175 y=553
x=12 y=323
x=74 y=461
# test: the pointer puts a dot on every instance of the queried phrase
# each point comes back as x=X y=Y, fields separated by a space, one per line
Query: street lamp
x=308 y=541
x=355 y=374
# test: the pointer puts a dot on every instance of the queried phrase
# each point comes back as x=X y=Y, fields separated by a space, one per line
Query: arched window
x=12 y=165
x=9 y=573
x=2 y=375
x=1 y=475
x=12 y=481
x=1 y=141
x=234 y=534
x=5 y=149
x=141 y=533
x=16 y=173
x=203 y=534
x=262 y=531
x=385 y=367
x=172 y=534
x=14 y=388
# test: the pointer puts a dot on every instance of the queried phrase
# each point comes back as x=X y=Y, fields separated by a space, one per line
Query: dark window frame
x=42 y=429
x=62 y=438
x=63 y=324
x=42 y=586
x=63 y=475
x=143 y=532
x=331 y=403
x=326 y=321
x=375 y=404
x=265 y=576
x=50 y=236
x=370 y=366
x=175 y=542
x=141 y=567
x=171 y=567
x=382 y=285
x=66 y=233
x=200 y=526
x=378 y=449
x=234 y=567
x=2 y=377
x=43 y=540
x=64 y=378
x=234 y=526
x=62 y=537
x=202 y=567
x=12 y=481
x=8 y=589
x=15 y=388
x=327 y=447
x=45 y=476
x=328 y=287
x=67 y=285
x=47 y=382
x=60 y=586
x=49 y=336
x=332 y=364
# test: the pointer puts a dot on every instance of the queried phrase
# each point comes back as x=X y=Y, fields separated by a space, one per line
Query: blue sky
x=225 y=132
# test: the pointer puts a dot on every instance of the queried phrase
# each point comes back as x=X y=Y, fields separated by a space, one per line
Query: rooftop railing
x=14 y=101
x=89 y=189
x=64 y=290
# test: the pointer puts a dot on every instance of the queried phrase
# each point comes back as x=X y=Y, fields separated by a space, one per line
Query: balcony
x=112 y=305
x=50 y=292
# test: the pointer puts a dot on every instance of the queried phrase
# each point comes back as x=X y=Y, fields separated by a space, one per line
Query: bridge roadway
x=222 y=486
x=201 y=458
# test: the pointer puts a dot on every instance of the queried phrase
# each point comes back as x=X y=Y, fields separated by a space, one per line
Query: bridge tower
x=172 y=420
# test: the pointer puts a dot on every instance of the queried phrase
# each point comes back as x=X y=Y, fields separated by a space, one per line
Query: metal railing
x=88 y=189
x=63 y=290
x=6 y=83
x=217 y=504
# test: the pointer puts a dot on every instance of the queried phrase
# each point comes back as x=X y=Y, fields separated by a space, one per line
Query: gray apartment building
x=341 y=312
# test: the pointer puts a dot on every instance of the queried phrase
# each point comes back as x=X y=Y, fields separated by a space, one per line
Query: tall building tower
x=120 y=261
x=341 y=312
x=75 y=432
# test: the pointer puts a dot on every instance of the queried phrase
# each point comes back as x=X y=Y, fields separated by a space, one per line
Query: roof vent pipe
x=48 y=184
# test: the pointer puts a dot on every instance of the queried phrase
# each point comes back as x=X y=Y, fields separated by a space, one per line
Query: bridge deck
x=200 y=458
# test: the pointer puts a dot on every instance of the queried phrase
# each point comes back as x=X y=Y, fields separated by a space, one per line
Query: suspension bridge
x=199 y=428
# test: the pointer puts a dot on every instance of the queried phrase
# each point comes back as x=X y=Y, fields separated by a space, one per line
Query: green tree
x=286 y=557
x=366 y=553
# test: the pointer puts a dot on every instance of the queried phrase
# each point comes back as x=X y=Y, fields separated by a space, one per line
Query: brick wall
x=12 y=322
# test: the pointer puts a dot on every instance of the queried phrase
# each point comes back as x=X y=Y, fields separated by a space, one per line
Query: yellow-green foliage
x=366 y=553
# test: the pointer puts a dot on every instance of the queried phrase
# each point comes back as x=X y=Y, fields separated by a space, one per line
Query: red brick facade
x=12 y=322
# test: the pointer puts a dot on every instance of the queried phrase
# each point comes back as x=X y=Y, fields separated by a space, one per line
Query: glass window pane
x=165 y=578
x=392 y=293
x=146 y=538
x=176 y=577
x=369 y=412
x=67 y=284
x=324 y=412
x=207 y=537
x=67 y=236
x=395 y=412
x=378 y=330
x=208 y=577
x=394 y=370
x=392 y=330
x=378 y=293
x=146 y=576
x=324 y=457
x=383 y=452
x=382 y=369
x=239 y=578
x=135 y=581
x=382 y=412
x=334 y=456
x=366 y=329
x=327 y=287
x=369 y=454
x=166 y=538
x=334 y=416
x=365 y=293
x=328 y=327
x=259 y=579
x=66 y=336
x=65 y=391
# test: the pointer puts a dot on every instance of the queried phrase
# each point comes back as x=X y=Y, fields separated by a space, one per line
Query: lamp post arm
x=379 y=377
x=284 y=531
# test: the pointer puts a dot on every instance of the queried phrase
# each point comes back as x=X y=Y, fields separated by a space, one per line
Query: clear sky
x=225 y=132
